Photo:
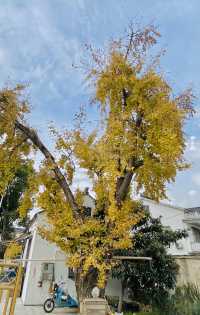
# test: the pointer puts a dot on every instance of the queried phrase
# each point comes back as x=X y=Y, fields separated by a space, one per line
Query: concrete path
x=36 y=310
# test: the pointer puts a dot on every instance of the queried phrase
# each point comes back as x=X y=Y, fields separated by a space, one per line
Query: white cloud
x=40 y=40
x=196 y=179
x=192 y=144
x=192 y=152
x=81 y=180
x=192 y=192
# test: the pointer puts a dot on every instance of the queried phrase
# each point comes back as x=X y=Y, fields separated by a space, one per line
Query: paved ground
x=36 y=310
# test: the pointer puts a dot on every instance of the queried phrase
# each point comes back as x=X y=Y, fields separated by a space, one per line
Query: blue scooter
x=59 y=299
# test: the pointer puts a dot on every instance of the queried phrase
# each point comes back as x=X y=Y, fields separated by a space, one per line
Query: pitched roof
x=194 y=209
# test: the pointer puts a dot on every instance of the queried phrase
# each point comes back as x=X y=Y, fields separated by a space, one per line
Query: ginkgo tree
x=140 y=138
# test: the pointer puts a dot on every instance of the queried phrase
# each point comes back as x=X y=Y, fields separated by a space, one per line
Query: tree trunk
x=121 y=297
x=85 y=284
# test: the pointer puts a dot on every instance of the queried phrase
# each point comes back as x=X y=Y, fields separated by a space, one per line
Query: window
x=47 y=272
x=87 y=211
x=71 y=274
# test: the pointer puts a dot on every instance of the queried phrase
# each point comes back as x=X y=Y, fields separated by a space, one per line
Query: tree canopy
x=139 y=137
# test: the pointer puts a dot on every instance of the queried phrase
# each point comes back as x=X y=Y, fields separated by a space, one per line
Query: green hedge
x=142 y=313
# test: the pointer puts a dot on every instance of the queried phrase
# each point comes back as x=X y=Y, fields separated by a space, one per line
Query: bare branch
x=129 y=44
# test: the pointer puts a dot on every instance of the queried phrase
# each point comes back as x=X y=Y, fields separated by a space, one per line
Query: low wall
x=189 y=269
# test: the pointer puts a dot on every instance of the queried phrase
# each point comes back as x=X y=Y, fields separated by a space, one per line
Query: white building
x=187 y=251
x=48 y=262
x=178 y=218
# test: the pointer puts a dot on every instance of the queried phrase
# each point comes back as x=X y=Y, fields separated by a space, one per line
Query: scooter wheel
x=49 y=305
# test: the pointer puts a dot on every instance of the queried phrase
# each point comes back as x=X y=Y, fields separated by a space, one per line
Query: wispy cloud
x=39 y=41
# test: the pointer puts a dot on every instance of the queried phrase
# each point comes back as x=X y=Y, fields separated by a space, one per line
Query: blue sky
x=41 y=39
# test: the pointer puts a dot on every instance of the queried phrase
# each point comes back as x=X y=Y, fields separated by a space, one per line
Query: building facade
x=187 y=251
x=48 y=263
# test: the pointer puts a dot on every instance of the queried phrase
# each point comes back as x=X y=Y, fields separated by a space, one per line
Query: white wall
x=32 y=294
x=41 y=249
x=173 y=217
x=89 y=202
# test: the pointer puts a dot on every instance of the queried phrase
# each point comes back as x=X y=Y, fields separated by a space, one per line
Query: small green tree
x=9 y=202
x=150 y=281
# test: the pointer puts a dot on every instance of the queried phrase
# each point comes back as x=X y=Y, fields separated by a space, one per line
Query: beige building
x=189 y=271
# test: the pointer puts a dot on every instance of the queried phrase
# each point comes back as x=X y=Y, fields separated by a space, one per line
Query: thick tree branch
x=124 y=182
x=32 y=135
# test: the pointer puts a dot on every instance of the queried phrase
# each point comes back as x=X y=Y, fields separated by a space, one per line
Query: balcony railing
x=195 y=247
x=190 y=214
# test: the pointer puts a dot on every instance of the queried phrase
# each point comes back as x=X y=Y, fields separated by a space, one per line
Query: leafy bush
x=185 y=301
x=150 y=282
x=128 y=307
x=142 y=313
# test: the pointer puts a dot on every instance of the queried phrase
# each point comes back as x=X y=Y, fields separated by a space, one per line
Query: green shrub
x=185 y=301
x=142 y=313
